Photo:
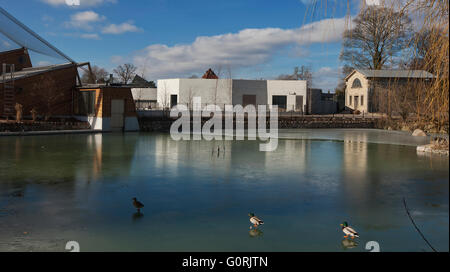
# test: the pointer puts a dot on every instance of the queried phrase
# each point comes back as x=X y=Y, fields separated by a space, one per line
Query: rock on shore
x=419 y=133
x=438 y=146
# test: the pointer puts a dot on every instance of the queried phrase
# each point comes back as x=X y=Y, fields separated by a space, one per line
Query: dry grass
x=429 y=102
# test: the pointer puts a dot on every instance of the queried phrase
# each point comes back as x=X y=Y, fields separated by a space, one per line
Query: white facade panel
x=289 y=88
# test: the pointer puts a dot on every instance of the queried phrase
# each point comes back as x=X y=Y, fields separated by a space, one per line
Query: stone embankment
x=163 y=124
x=11 y=127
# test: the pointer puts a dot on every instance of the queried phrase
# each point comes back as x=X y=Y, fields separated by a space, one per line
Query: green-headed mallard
x=138 y=205
x=255 y=220
x=349 y=231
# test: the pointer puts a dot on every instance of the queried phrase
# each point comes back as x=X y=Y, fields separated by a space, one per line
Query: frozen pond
x=55 y=189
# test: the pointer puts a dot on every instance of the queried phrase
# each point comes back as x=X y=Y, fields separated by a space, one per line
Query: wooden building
x=109 y=108
x=56 y=91
x=17 y=57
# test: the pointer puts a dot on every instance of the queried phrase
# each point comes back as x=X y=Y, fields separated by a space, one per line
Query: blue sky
x=178 y=38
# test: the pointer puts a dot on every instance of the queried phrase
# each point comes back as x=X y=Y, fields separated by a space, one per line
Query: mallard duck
x=349 y=231
x=138 y=205
x=255 y=220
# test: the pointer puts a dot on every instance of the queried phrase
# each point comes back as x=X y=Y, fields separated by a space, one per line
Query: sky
x=245 y=39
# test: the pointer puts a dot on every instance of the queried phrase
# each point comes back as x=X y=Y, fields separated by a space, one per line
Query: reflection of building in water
x=355 y=163
x=95 y=144
x=290 y=154
x=172 y=155
x=93 y=167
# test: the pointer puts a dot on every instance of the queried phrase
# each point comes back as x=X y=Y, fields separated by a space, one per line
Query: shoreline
x=50 y=132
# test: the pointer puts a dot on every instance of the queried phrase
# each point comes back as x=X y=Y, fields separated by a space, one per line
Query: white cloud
x=90 y=36
x=84 y=20
x=120 y=28
x=246 y=48
x=327 y=78
x=83 y=3
x=117 y=60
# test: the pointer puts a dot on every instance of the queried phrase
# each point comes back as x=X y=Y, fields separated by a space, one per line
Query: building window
x=356 y=101
x=356 y=84
x=86 y=105
x=299 y=103
x=362 y=100
x=350 y=100
x=173 y=100
x=280 y=101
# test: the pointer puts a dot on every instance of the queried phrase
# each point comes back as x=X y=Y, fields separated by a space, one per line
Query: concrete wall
x=229 y=92
x=212 y=91
x=360 y=92
x=166 y=88
x=317 y=105
x=144 y=93
x=249 y=87
x=289 y=88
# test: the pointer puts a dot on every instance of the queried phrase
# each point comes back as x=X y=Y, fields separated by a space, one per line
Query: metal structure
x=8 y=90
x=31 y=33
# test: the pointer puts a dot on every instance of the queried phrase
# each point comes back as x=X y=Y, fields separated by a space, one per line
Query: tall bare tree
x=125 y=72
x=99 y=75
x=378 y=37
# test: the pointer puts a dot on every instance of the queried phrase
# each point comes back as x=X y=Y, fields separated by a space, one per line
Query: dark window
x=356 y=84
x=173 y=100
x=87 y=103
x=362 y=100
x=299 y=103
x=280 y=100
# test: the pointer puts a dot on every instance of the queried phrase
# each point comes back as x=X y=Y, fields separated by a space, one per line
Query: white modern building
x=289 y=95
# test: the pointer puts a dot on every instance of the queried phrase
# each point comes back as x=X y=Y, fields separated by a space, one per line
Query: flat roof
x=32 y=71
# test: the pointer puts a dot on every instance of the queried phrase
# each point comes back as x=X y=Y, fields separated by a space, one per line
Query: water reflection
x=74 y=179
x=349 y=244
x=255 y=233
x=137 y=216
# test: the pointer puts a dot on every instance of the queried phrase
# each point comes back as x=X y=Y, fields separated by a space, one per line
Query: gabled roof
x=417 y=74
x=28 y=72
x=210 y=75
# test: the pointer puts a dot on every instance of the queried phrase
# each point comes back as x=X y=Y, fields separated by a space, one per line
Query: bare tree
x=99 y=75
x=300 y=73
x=125 y=72
x=379 y=35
